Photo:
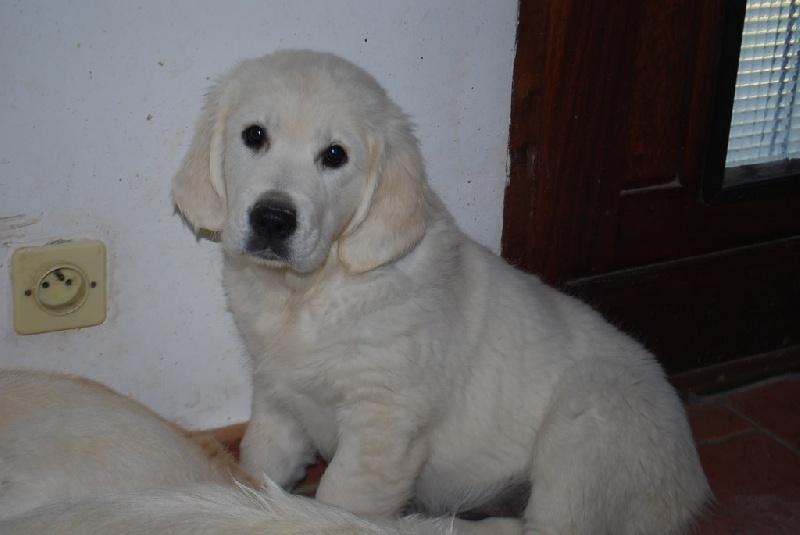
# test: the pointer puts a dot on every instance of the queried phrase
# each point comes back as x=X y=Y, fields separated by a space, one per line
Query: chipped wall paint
x=98 y=102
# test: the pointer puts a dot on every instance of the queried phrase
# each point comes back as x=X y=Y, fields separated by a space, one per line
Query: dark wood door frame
x=610 y=126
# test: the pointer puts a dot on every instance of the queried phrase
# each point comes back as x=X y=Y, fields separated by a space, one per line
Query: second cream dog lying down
x=425 y=368
x=208 y=509
x=68 y=437
x=77 y=458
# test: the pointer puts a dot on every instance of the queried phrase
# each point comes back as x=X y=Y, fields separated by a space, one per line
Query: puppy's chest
x=318 y=329
x=308 y=335
x=303 y=353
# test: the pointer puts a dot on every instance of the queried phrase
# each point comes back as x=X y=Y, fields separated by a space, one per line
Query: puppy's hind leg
x=565 y=485
x=615 y=459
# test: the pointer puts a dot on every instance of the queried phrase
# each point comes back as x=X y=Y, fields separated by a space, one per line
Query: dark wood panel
x=670 y=224
x=703 y=82
x=610 y=129
x=706 y=310
x=668 y=32
x=572 y=84
x=736 y=373
x=526 y=101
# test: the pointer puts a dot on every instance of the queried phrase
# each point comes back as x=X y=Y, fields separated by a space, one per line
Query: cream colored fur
x=426 y=369
x=77 y=458
x=68 y=437
x=207 y=509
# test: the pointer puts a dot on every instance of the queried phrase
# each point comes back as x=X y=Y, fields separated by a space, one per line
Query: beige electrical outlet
x=59 y=286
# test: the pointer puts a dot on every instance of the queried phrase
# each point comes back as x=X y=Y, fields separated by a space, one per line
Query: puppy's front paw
x=280 y=459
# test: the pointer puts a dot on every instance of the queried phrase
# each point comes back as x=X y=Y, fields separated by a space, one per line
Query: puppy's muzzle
x=273 y=221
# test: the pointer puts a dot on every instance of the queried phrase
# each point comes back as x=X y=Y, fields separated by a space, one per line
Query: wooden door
x=612 y=123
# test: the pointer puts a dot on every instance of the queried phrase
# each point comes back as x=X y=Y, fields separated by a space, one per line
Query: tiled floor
x=749 y=443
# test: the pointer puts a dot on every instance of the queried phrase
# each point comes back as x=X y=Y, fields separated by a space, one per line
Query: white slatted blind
x=765 y=126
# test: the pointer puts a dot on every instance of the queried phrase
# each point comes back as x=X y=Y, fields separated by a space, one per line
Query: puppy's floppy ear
x=393 y=215
x=198 y=188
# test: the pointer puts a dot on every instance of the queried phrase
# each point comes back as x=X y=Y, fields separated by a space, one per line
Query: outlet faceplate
x=59 y=286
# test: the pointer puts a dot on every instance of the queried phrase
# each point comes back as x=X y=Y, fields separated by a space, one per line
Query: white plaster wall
x=97 y=103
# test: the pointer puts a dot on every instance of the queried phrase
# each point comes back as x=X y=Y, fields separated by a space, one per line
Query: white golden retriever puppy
x=422 y=366
x=68 y=437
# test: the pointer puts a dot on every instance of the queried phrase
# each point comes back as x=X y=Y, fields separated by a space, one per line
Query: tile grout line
x=733 y=435
x=761 y=429
x=726 y=439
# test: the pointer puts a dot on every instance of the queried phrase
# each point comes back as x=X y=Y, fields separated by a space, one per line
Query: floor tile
x=232 y=446
x=757 y=485
x=753 y=464
x=771 y=515
x=775 y=406
x=714 y=422
x=308 y=486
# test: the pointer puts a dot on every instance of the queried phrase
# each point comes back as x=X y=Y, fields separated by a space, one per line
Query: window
x=756 y=138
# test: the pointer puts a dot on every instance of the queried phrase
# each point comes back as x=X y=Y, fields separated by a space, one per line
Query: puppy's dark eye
x=333 y=157
x=254 y=136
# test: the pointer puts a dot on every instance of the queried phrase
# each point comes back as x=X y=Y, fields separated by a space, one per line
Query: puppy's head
x=299 y=153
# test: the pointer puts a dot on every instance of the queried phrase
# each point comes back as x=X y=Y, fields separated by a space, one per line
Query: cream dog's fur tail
x=207 y=509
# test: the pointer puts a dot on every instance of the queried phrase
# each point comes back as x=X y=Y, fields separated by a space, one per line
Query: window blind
x=765 y=126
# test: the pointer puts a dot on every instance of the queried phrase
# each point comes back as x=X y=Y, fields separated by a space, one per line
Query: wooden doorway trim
x=610 y=125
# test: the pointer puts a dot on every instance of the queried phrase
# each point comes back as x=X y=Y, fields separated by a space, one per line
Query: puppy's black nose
x=273 y=220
